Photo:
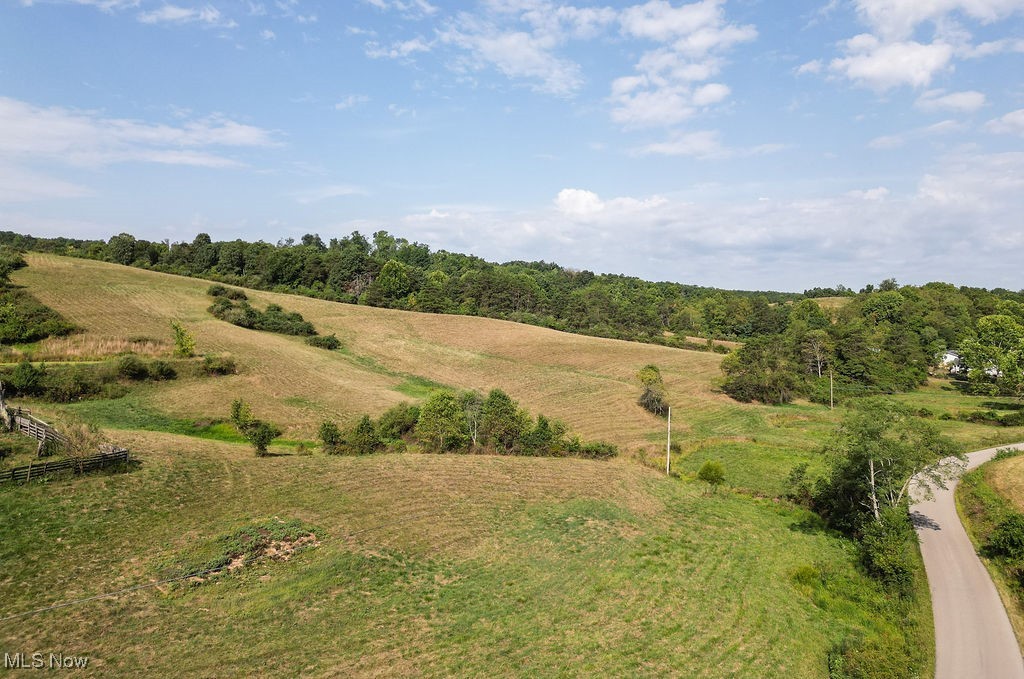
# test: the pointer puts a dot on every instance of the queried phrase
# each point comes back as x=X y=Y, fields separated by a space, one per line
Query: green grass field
x=431 y=565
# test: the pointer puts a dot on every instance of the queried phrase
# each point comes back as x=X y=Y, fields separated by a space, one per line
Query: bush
x=1007 y=540
x=260 y=434
x=162 y=370
x=330 y=437
x=184 y=342
x=653 y=400
x=363 y=439
x=597 y=450
x=132 y=367
x=219 y=365
x=27 y=379
x=712 y=473
x=274 y=319
x=23 y=318
x=329 y=342
x=398 y=421
x=218 y=290
x=884 y=549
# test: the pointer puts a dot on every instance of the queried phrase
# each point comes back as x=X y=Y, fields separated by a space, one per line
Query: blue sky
x=740 y=143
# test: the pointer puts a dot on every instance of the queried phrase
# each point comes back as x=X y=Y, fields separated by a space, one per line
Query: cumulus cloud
x=174 y=14
x=518 y=54
x=690 y=39
x=960 y=102
x=1011 y=123
x=883 y=66
x=855 y=236
x=86 y=138
x=897 y=19
x=398 y=50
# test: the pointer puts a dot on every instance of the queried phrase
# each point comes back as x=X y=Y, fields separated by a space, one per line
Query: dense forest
x=882 y=339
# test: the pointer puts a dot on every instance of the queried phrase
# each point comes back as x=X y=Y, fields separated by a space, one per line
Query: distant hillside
x=388 y=356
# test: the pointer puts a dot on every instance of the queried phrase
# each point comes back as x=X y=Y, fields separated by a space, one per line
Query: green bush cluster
x=329 y=342
x=219 y=364
x=273 y=319
x=1014 y=419
x=24 y=319
x=218 y=290
x=652 y=398
x=67 y=383
x=466 y=422
x=259 y=433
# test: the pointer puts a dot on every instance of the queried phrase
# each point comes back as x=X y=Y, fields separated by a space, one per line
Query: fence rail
x=79 y=465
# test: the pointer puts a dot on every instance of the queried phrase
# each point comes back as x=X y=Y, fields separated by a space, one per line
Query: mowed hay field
x=427 y=565
x=587 y=382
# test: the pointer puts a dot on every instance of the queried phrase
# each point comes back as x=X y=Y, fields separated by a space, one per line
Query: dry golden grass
x=1007 y=478
x=832 y=303
x=87 y=347
x=587 y=382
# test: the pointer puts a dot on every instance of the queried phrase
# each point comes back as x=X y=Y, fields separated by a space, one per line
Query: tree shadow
x=920 y=520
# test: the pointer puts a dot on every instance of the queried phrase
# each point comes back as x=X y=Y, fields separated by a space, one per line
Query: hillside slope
x=587 y=382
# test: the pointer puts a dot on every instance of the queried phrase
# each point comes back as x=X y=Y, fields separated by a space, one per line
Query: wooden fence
x=21 y=420
x=78 y=465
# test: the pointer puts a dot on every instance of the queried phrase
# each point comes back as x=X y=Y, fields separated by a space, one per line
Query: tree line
x=885 y=340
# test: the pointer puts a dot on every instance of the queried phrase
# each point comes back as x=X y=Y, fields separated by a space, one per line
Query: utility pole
x=831 y=400
x=668 y=445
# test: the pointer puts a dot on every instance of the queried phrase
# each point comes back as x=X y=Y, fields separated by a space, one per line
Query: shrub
x=219 y=365
x=329 y=342
x=132 y=367
x=363 y=439
x=712 y=473
x=218 y=290
x=184 y=342
x=799 y=489
x=653 y=400
x=162 y=370
x=27 y=379
x=884 y=546
x=1007 y=540
x=330 y=437
x=23 y=318
x=597 y=450
x=260 y=434
x=397 y=421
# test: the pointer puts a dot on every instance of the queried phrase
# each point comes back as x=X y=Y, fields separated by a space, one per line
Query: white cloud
x=883 y=66
x=705 y=145
x=961 y=102
x=86 y=138
x=897 y=19
x=415 y=9
x=895 y=141
x=268 y=34
x=351 y=101
x=812 y=67
x=398 y=50
x=317 y=194
x=516 y=54
x=20 y=184
x=1011 y=123
x=875 y=194
x=174 y=14
x=969 y=205
x=690 y=40
x=712 y=93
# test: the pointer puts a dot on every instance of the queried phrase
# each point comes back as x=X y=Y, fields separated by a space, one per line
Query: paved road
x=973 y=636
